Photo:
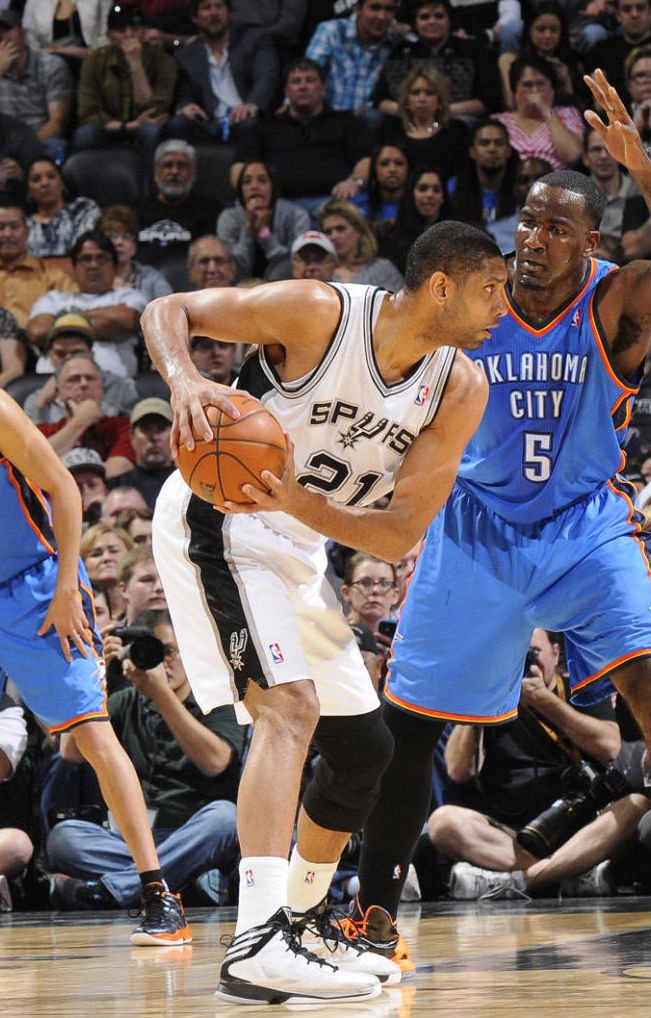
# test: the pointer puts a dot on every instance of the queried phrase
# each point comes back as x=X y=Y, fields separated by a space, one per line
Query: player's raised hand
x=619 y=135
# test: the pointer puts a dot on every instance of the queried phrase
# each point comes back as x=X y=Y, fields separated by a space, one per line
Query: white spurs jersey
x=351 y=431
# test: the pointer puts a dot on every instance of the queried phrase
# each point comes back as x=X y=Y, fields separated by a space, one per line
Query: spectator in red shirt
x=80 y=388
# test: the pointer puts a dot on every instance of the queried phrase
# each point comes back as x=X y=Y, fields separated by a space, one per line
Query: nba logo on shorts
x=397 y=871
x=309 y=877
x=423 y=393
x=276 y=654
x=250 y=879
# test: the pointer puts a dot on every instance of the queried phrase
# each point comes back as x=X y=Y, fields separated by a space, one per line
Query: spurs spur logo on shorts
x=237 y=647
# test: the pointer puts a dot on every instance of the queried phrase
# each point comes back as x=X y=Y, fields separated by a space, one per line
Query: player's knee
x=354 y=754
x=16 y=849
x=443 y=824
x=291 y=709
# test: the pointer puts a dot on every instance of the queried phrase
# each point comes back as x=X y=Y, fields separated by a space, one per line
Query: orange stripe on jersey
x=39 y=494
x=627 y=390
x=550 y=325
x=614 y=664
x=637 y=531
x=470 y=718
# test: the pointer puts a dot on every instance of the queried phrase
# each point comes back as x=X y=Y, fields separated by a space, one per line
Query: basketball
x=238 y=453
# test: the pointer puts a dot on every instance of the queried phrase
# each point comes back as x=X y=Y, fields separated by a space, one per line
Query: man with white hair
x=174 y=215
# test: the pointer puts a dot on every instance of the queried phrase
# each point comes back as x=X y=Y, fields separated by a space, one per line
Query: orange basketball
x=238 y=453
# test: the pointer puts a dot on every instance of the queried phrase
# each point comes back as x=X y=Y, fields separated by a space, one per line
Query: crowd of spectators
x=207 y=143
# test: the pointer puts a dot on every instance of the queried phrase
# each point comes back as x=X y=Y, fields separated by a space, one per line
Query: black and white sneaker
x=269 y=965
x=322 y=934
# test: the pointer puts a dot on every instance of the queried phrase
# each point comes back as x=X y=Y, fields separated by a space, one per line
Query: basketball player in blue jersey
x=50 y=647
x=540 y=528
x=377 y=397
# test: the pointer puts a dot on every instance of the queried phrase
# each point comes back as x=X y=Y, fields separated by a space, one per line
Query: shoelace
x=494 y=893
x=328 y=925
x=292 y=935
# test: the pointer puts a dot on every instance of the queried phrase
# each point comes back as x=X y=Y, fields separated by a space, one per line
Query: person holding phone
x=371 y=589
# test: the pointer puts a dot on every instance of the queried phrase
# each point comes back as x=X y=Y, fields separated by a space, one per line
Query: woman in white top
x=66 y=27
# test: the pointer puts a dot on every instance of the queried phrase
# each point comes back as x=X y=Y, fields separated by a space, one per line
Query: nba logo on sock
x=397 y=871
x=309 y=877
x=276 y=654
x=423 y=393
x=250 y=879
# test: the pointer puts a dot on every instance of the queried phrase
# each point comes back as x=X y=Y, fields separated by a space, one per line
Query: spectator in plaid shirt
x=353 y=51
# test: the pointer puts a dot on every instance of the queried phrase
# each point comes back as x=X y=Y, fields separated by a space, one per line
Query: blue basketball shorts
x=59 y=692
x=481 y=585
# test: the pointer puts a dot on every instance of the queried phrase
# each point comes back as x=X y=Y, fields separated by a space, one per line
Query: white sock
x=308 y=882
x=263 y=890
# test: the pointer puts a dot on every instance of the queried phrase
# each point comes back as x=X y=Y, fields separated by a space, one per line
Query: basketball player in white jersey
x=378 y=399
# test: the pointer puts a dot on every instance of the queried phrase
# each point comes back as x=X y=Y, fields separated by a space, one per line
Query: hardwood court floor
x=544 y=959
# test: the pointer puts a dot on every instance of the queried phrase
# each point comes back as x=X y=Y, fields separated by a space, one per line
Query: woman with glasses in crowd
x=371 y=589
x=120 y=224
x=54 y=220
x=537 y=128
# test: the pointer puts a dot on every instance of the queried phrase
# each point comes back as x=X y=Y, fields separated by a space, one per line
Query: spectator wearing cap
x=72 y=333
x=313 y=257
x=36 y=86
x=125 y=88
x=13 y=348
x=226 y=75
x=113 y=313
x=24 y=278
x=89 y=472
x=79 y=387
x=315 y=150
x=151 y=423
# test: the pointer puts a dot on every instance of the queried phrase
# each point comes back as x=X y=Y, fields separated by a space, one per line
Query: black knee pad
x=354 y=753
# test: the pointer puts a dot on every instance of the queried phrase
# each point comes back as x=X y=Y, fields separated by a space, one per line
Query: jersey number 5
x=537 y=461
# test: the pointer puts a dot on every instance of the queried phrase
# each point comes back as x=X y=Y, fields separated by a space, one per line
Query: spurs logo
x=237 y=647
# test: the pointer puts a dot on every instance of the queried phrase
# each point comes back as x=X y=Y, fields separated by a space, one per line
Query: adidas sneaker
x=269 y=965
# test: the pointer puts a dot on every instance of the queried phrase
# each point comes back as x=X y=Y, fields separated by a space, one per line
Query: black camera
x=530 y=659
x=140 y=646
x=585 y=791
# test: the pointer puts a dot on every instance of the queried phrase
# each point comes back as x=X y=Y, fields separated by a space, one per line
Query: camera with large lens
x=140 y=646
x=585 y=791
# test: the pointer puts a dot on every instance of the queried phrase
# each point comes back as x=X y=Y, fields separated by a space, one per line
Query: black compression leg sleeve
x=394 y=826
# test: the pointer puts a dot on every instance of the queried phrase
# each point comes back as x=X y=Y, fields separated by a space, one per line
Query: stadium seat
x=112 y=176
x=21 y=387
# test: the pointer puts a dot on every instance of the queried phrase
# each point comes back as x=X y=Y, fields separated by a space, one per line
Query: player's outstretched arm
x=423 y=482
x=23 y=445
x=624 y=296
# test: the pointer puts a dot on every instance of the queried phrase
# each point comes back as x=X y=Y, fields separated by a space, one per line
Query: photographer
x=188 y=765
x=509 y=774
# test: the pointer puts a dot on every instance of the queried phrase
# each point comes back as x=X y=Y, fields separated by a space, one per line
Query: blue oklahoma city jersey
x=556 y=413
x=26 y=534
